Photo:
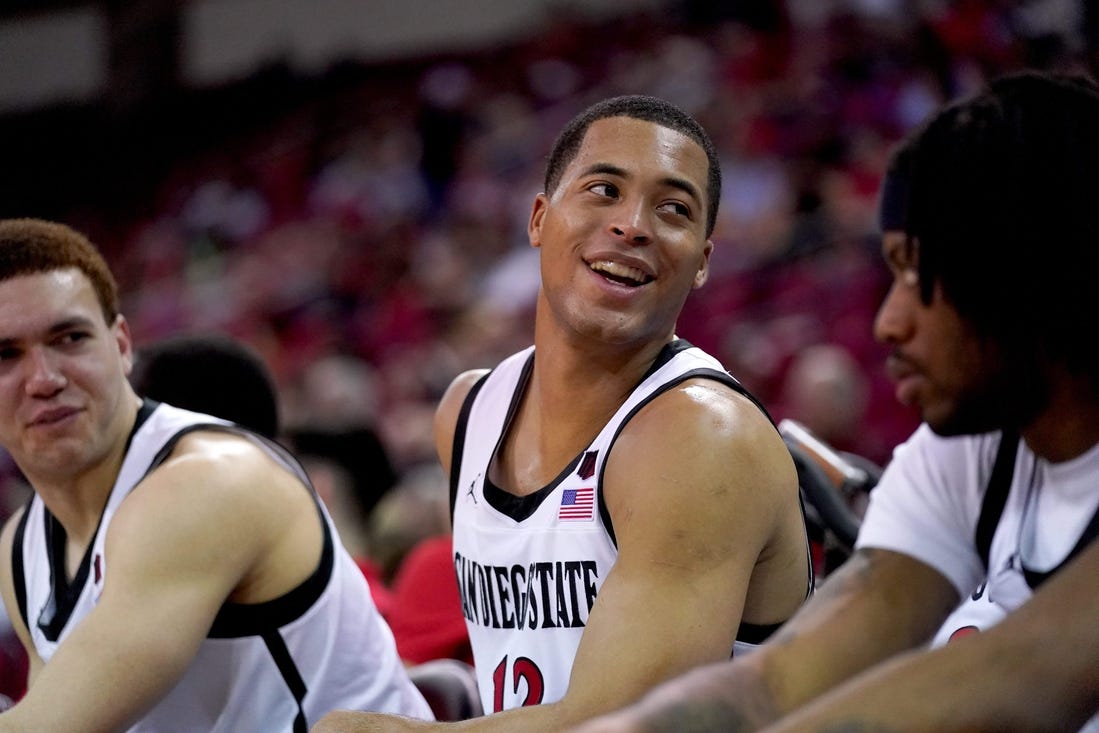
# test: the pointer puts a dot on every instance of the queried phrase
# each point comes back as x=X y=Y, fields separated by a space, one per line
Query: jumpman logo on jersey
x=472 y=488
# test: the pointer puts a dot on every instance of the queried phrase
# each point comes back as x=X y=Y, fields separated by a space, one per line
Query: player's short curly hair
x=32 y=246
x=638 y=107
x=1001 y=193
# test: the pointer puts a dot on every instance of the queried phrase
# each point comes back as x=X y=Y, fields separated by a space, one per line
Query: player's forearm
x=131 y=674
x=982 y=687
x=716 y=697
x=548 y=718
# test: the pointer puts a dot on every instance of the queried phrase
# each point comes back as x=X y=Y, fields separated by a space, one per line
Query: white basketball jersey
x=938 y=495
x=530 y=568
x=274 y=666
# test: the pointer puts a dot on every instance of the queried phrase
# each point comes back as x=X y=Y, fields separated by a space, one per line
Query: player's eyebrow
x=66 y=324
x=672 y=181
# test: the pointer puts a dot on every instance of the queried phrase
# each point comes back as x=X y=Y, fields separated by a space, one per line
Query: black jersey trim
x=1035 y=578
x=999 y=486
x=667 y=353
x=992 y=507
x=59 y=606
x=520 y=508
x=701 y=372
x=459 y=445
x=747 y=632
x=18 y=574
x=235 y=620
x=54 y=616
x=756 y=633
x=276 y=645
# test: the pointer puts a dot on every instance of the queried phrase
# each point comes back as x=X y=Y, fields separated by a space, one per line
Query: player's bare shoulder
x=446 y=414
x=458 y=390
x=231 y=455
x=7 y=541
x=712 y=441
x=227 y=471
x=717 y=416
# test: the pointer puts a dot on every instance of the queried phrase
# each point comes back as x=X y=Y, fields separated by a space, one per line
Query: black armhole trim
x=999 y=485
x=460 y=441
x=755 y=633
x=276 y=645
x=679 y=345
x=18 y=574
x=235 y=620
x=703 y=372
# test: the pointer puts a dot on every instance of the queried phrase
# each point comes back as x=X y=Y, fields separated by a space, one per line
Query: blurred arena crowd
x=369 y=242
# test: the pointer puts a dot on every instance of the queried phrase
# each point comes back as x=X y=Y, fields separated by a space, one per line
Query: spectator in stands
x=825 y=390
x=411 y=545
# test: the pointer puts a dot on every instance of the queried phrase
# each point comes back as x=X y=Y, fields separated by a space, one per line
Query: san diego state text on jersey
x=544 y=595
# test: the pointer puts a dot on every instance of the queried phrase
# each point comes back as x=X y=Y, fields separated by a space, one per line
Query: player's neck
x=1069 y=425
x=78 y=504
x=77 y=499
x=570 y=362
x=571 y=395
x=572 y=380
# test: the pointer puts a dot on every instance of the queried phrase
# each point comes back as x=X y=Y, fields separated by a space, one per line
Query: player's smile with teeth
x=620 y=273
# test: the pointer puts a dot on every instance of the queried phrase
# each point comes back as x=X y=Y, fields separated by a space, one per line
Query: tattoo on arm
x=700 y=716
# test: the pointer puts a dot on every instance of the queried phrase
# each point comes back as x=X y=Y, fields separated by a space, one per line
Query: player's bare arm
x=695 y=487
x=877 y=604
x=979 y=682
x=446 y=414
x=698 y=489
x=213 y=523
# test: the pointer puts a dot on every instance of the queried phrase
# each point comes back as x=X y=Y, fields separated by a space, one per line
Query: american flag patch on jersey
x=577 y=504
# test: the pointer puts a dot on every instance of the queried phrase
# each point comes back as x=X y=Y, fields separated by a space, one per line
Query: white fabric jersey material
x=928 y=503
x=529 y=569
x=276 y=666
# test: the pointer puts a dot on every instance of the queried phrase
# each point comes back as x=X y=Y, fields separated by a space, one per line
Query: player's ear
x=703 y=273
x=537 y=217
x=121 y=331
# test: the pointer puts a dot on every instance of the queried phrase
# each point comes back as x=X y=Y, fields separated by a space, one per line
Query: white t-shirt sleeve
x=927 y=503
